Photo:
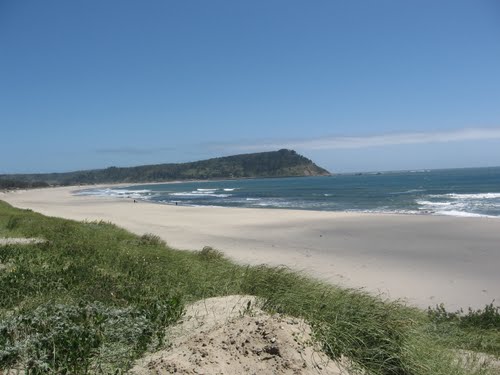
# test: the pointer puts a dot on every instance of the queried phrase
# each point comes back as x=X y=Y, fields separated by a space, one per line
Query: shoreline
x=424 y=259
x=429 y=212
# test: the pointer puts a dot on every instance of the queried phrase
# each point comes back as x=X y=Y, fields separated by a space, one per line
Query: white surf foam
x=462 y=214
x=116 y=193
x=411 y=191
x=386 y=211
x=434 y=204
x=200 y=194
x=467 y=196
x=461 y=207
x=475 y=196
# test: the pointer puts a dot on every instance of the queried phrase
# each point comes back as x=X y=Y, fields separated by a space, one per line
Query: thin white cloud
x=334 y=143
x=133 y=150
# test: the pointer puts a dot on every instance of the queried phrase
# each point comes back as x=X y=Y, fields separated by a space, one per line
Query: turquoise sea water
x=471 y=192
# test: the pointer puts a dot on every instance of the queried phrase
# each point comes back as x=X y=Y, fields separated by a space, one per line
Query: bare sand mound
x=232 y=335
x=20 y=241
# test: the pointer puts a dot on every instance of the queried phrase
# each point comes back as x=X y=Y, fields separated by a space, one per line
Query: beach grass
x=93 y=298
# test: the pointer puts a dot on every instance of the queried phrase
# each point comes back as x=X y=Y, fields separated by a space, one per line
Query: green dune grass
x=93 y=298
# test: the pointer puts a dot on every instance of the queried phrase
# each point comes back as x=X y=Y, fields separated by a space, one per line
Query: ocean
x=471 y=192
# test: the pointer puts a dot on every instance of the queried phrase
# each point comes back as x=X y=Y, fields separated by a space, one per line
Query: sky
x=353 y=85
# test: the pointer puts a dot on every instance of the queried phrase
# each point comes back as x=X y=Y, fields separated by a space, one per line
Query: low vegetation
x=7 y=183
x=476 y=330
x=94 y=297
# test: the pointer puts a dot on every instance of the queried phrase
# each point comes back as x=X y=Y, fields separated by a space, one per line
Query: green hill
x=282 y=163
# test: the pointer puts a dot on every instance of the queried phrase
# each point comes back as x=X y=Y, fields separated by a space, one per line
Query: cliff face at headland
x=282 y=163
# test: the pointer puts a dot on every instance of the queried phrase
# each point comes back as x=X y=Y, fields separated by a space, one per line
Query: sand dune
x=423 y=259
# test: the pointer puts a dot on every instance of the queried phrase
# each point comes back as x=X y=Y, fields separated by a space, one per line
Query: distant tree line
x=280 y=163
x=18 y=184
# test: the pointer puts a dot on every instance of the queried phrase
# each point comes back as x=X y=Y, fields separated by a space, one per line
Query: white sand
x=20 y=241
x=220 y=336
x=423 y=259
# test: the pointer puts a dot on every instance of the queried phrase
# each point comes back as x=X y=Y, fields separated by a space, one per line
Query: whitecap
x=462 y=214
x=199 y=194
x=475 y=196
x=411 y=191
x=385 y=211
x=437 y=204
x=466 y=196
x=116 y=193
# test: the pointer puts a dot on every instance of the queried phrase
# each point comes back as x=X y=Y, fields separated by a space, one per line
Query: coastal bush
x=78 y=338
x=477 y=330
x=8 y=183
x=151 y=239
x=95 y=297
x=487 y=318
x=209 y=253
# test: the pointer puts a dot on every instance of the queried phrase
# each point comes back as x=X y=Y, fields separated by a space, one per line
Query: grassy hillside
x=280 y=163
x=94 y=297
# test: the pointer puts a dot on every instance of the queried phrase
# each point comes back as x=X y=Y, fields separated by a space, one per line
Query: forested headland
x=282 y=163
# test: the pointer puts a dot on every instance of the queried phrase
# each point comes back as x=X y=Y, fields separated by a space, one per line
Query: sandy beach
x=424 y=260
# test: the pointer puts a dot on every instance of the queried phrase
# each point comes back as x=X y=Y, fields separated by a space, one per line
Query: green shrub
x=487 y=318
x=209 y=253
x=151 y=239
x=74 y=339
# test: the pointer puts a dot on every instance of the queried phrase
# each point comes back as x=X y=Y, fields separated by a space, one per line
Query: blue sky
x=353 y=85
